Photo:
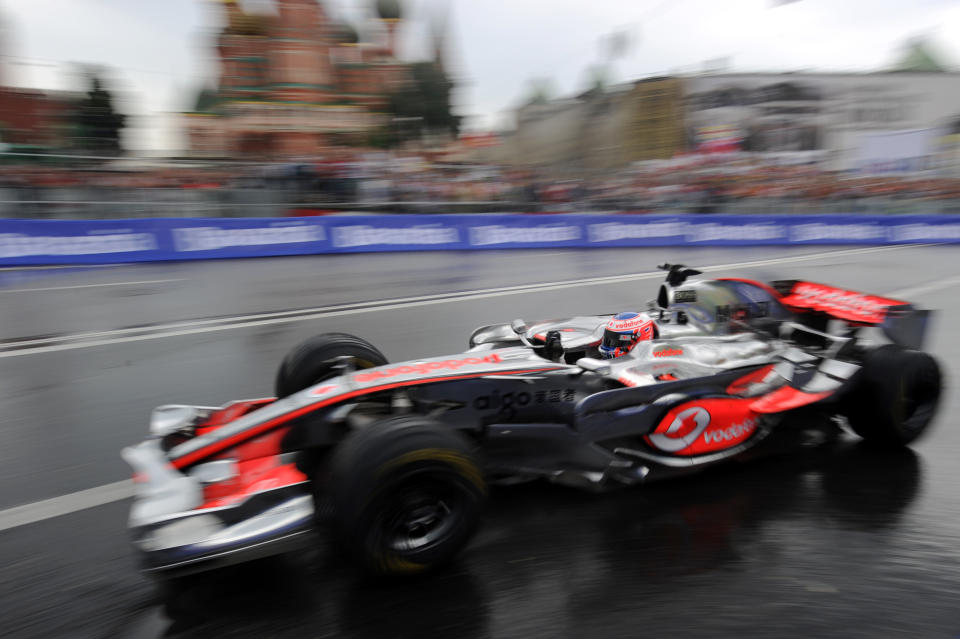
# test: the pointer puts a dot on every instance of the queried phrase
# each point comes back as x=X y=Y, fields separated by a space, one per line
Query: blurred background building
x=33 y=120
x=309 y=113
x=295 y=83
x=655 y=130
x=889 y=121
x=600 y=129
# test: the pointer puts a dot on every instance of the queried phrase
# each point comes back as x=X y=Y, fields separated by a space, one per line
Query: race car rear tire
x=316 y=360
x=896 y=396
x=407 y=495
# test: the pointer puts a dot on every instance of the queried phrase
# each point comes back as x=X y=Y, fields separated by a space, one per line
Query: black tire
x=895 y=397
x=407 y=495
x=315 y=360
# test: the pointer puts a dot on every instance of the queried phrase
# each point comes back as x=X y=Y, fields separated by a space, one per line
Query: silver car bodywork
x=536 y=399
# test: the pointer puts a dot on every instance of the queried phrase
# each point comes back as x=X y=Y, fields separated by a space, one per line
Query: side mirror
x=553 y=346
x=519 y=326
x=598 y=366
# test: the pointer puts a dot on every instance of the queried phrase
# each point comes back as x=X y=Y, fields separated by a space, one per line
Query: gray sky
x=159 y=53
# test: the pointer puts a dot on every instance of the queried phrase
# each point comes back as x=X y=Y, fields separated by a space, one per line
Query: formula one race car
x=397 y=457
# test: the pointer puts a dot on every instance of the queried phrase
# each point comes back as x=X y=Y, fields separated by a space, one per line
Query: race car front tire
x=316 y=359
x=896 y=396
x=407 y=495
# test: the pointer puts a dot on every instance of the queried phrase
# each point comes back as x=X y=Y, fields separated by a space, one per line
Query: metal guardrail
x=105 y=203
x=115 y=203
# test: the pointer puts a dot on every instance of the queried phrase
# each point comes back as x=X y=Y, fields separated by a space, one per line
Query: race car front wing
x=175 y=533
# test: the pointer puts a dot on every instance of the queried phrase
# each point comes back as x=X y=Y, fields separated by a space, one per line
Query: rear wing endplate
x=900 y=321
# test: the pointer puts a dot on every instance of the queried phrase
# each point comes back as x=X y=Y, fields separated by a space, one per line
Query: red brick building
x=294 y=81
x=33 y=118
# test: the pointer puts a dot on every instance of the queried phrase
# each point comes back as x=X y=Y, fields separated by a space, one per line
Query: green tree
x=597 y=79
x=98 y=122
x=540 y=90
x=424 y=101
x=206 y=101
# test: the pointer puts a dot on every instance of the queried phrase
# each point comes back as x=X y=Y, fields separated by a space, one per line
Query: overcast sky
x=159 y=50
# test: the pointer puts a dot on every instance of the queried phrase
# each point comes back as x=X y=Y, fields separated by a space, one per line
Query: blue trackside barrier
x=34 y=242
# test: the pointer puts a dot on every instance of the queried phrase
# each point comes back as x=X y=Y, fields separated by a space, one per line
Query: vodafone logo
x=860 y=307
x=668 y=352
x=323 y=390
x=683 y=431
x=422 y=368
x=705 y=425
x=628 y=324
x=733 y=433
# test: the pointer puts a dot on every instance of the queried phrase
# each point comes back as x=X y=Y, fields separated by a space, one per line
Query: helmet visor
x=613 y=340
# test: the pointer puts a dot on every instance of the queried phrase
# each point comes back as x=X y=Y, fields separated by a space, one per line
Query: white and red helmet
x=623 y=331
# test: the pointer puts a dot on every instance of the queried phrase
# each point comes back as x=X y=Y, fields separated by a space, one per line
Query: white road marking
x=65 y=504
x=68 y=288
x=179 y=329
x=54 y=267
x=913 y=291
x=101 y=495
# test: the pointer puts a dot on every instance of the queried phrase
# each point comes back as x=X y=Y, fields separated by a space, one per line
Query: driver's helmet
x=623 y=332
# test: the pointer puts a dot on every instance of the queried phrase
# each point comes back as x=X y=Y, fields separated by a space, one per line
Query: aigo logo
x=683 y=431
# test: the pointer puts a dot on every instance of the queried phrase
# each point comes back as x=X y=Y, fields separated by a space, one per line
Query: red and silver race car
x=396 y=458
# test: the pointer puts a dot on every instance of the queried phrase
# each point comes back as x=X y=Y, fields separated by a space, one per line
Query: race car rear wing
x=900 y=321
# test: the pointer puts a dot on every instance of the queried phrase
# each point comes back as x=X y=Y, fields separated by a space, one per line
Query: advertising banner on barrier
x=28 y=242
x=192 y=239
x=31 y=242
x=356 y=234
x=524 y=231
x=642 y=231
x=915 y=230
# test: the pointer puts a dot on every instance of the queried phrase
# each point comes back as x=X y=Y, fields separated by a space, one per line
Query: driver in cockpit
x=624 y=331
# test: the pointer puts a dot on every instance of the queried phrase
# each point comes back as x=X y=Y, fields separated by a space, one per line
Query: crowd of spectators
x=347 y=180
x=732 y=185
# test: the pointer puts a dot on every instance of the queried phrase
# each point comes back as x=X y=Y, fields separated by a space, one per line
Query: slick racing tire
x=317 y=359
x=407 y=495
x=896 y=396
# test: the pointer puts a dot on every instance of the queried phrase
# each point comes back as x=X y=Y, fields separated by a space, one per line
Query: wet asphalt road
x=844 y=542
